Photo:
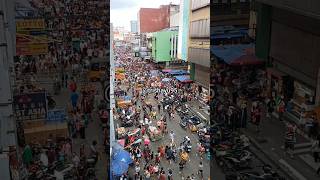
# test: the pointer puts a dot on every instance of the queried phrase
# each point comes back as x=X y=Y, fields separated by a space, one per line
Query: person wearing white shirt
x=44 y=159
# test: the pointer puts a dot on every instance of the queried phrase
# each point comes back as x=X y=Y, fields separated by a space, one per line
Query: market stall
x=154 y=133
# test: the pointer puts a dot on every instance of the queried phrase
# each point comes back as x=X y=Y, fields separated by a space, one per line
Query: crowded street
x=149 y=125
x=69 y=140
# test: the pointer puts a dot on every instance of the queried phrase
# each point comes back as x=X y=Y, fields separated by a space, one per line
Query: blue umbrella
x=122 y=156
x=118 y=168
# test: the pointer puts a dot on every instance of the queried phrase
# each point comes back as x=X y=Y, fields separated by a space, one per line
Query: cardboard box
x=33 y=124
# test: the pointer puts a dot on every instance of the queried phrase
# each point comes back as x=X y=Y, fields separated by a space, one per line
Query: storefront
x=274 y=82
x=303 y=99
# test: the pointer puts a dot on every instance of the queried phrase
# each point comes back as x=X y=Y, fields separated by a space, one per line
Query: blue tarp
x=229 y=53
x=227 y=36
x=178 y=72
x=119 y=168
x=183 y=78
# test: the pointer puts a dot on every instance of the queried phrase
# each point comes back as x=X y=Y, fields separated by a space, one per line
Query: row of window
x=200 y=28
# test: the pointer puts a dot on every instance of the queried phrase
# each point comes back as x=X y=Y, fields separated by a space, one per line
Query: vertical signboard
x=183 y=36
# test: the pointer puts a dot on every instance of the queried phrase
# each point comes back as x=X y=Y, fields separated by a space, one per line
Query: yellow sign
x=32 y=49
x=30 y=24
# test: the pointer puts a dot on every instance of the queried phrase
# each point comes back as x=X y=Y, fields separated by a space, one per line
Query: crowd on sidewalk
x=241 y=96
x=150 y=121
x=77 y=33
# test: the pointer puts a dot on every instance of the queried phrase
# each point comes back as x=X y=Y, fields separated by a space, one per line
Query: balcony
x=199 y=56
x=200 y=29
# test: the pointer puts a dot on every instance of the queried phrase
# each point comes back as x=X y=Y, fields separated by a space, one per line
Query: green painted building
x=165 y=45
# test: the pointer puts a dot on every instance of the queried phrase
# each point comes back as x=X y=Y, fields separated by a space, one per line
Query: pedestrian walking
x=200 y=171
x=281 y=108
x=172 y=137
x=290 y=139
x=315 y=149
x=270 y=105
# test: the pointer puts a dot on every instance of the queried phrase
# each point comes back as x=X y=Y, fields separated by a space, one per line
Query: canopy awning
x=240 y=54
x=184 y=78
x=178 y=72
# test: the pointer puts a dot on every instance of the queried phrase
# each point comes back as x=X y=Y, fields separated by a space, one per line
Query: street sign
x=56 y=115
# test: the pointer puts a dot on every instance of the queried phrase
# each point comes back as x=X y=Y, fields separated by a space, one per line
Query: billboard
x=28 y=24
x=31 y=49
x=31 y=37
x=31 y=106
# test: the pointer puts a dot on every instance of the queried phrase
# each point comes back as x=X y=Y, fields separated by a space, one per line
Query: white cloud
x=123 y=11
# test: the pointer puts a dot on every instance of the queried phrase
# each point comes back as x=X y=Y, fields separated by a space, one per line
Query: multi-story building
x=153 y=19
x=288 y=36
x=165 y=45
x=199 y=46
x=134 y=26
x=174 y=15
x=230 y=12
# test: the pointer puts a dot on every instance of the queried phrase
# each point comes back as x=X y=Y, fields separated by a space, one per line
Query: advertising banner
x=32 y=49
x=56 y=115
x=31 y=38
x=32 y=106
x=24 y=24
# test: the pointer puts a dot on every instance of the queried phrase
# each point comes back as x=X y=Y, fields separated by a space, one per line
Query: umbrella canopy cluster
x=120 y=162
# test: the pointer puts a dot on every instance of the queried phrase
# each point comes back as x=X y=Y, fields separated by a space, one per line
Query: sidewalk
x=270 y=142
x=202 y=113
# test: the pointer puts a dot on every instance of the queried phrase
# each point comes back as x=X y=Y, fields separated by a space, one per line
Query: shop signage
x=56 y=115
x=32 y=49
x=30 y=106
x=23 y=24
x=31 y=37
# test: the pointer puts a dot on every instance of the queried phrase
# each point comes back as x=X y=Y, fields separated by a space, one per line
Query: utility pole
x=8 y=133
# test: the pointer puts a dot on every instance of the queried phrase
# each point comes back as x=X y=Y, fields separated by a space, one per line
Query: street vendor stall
x=120 y=76
x=123 y=102
x=154 y=133
x=121 y=132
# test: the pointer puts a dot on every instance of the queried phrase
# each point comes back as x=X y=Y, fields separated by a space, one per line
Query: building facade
x=133 y=26
x=199 y=46
x=165 y=45
x=288 y=37
x=153 y=19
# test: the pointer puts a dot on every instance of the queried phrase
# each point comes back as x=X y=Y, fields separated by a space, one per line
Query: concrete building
x=233 y=13
x=288 y=37
x=199 y=46
x=8 y=131
x=183 y=37
x=165 y=45
x=134 y=26
x=153 y=19
x=174 y=15
x=174 y=19
x=112 y=98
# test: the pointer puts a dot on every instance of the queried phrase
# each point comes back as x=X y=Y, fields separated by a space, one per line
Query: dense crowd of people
x=77 y=32
x=150 y=121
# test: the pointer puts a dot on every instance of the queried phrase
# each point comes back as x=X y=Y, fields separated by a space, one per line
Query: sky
x=123 y=11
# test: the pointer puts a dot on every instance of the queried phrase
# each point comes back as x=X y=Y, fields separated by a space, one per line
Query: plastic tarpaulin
x=241 y=54
x=178 y=72
x=119 y=168
x=183 y=78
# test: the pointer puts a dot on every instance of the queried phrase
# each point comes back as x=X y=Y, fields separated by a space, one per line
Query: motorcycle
x=268 y=174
